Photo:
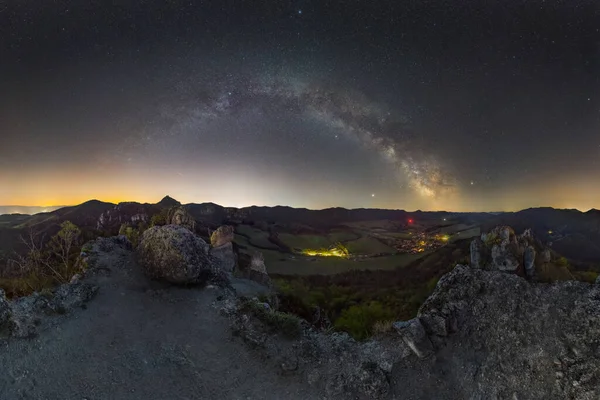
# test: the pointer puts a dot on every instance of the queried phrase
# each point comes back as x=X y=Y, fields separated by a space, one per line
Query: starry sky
x=431 y=105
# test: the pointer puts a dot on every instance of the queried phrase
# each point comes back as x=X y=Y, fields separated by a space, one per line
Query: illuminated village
x=418 y=243
x=337 y=250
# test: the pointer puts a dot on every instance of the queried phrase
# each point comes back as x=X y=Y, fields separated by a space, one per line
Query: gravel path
x=137 y=340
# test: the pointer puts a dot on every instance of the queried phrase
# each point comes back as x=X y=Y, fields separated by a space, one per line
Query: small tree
x=64 y=247
x=161 y=218
x=131 y=233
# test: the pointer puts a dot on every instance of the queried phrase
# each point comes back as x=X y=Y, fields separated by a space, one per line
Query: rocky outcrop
x=123 y=213
x=337 y=365
x=496 y=335
x=23 y=317
x=179 y=216
x=225 y=257
x=502 y=250
x=223 y=235
x=414 y=335
x=252 y=266
x=174 y=254
x=477 y=253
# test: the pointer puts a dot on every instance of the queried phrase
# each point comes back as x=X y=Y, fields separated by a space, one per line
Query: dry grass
x=381 y=327
x=25 y=285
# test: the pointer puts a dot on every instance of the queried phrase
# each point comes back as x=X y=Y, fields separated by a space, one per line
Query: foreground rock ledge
x=497 y=336
x=480 y=335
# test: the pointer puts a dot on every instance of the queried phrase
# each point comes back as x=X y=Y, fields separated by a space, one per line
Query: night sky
x=431 y=105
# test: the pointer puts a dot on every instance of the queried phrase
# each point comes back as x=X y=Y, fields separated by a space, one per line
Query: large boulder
x=180 y=216
x=223 y=235
x=174 y=254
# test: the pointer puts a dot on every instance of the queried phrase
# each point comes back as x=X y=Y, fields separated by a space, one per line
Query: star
x=372 y=194
x=472 y=183
x=299 y=11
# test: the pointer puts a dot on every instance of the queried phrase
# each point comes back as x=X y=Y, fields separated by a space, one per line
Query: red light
x=410 y=221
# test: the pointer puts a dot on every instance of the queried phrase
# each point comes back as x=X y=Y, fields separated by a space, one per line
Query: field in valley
x=372 y=245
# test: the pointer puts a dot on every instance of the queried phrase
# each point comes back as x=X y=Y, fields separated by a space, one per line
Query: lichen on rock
x=222 y=235
x=172 y=253
x=180 y=216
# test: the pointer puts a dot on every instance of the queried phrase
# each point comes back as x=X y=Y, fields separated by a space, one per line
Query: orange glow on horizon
x=243 y=188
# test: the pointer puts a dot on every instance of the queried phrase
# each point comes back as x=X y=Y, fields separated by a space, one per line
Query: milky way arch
x=373 y=126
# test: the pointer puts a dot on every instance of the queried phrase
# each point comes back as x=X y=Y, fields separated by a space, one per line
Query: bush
x=161 y=218
x=356 y=301
x=586 y=276
x=132 y=234
x=44 y=266
x=359 y=320
x=492 y=239
x=562 y=262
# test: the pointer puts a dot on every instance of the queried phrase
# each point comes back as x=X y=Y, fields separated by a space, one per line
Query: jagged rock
x=22 y=317
x=174 y=254
x=252 y=266
x=223 y=235
x=504 y=257
x=529 y=260
x=502 y=250
x=526 y=235
x=225 y=257
x=335 y=364
x=476 y=253
x=26 y=312
x=70 y=296
x=414 y=335
x=122 y=213
x=509 y=338
x=180 y=216
x=5 y=314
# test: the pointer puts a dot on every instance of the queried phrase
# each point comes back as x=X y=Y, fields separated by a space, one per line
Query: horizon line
x=55 y=207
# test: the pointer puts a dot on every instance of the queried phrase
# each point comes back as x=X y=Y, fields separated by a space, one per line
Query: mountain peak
x=168 y=201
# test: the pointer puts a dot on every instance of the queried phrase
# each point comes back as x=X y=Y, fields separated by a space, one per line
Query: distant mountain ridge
x=28 y=210
x=573 y=233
